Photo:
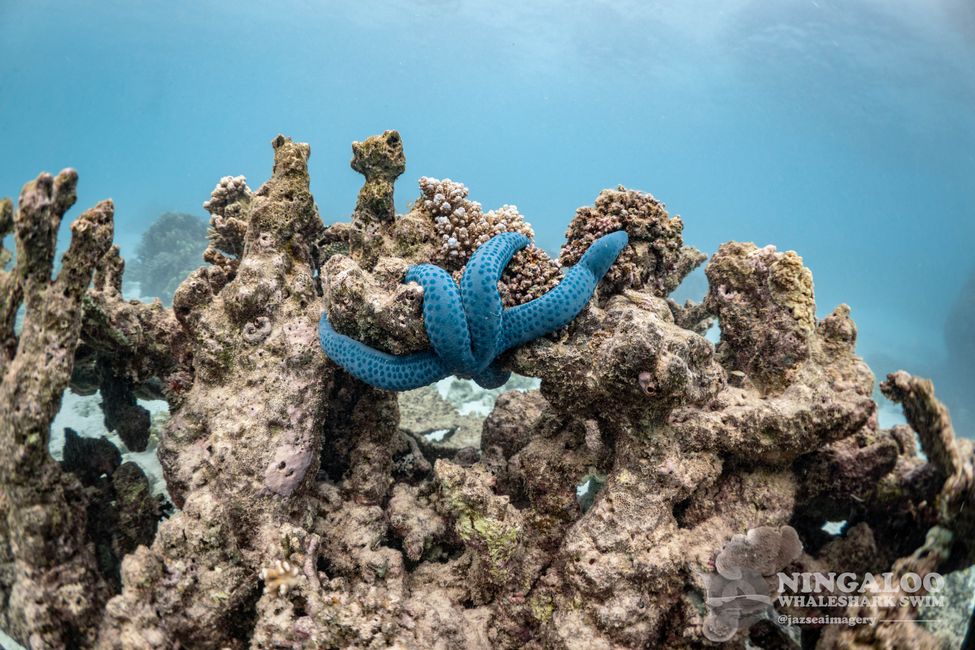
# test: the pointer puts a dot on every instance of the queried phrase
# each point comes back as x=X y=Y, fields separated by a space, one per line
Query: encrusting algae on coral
x=390 y=541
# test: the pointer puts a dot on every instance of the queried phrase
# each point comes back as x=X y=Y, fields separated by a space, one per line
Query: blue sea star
x=468 y=326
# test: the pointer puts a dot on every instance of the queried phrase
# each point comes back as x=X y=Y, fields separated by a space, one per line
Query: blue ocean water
x=844 y=130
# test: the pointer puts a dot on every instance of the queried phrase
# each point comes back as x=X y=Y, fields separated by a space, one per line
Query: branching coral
x=280 y=576
x=463 y=227
x=282 y=462
x=228 y=226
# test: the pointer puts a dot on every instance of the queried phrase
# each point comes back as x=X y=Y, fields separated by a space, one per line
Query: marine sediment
x=309 y=516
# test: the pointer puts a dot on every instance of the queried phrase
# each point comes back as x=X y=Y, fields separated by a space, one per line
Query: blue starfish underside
x=467 y=326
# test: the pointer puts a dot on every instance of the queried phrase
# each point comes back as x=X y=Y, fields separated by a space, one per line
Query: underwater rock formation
x=311 y=516
x=51 y=591
x=656 y=259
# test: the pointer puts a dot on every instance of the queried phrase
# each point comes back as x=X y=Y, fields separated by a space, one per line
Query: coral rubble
x=311 y=514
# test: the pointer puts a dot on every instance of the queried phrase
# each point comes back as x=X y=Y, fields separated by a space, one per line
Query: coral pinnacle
x=469 y=327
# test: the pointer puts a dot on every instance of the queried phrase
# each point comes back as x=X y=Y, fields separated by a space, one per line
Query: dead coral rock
x=156 y=608
x=627 y=353
x=352 y=541
x=122 y=512
x=510 y=425
x=548 y=471
x=409 y=463
x=138 y=509
x=829 y=398
x=123 y=414
x=284 y=464
x=381 y=160
x=952 y=459
x=250 y=409
x=486 y=523
x=362 y=437
x=655 y=260
x=89 y=458
x=414 y=520
x=130 y=349
x=437 y=426
x=387 y=317
x=52 y=589
x=662 y=514
x=764 y=301
x=9 y=285
x=836 y=477
x=928 y=417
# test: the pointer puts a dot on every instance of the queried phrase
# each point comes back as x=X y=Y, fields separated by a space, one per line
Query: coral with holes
x=310 y=516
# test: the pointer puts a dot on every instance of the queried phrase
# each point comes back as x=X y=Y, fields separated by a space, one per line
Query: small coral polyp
x=468 y=327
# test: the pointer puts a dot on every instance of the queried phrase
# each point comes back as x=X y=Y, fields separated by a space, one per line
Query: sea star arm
x=492 y=377
x=444 y=318
x=377 y=368
x=479 y=293
x=560 y=305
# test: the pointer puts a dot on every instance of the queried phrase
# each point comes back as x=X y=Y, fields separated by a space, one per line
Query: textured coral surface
x=309 y=513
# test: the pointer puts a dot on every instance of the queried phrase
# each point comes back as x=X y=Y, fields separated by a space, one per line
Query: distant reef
x=599 y=511
x=960 y=364
x=169 y=250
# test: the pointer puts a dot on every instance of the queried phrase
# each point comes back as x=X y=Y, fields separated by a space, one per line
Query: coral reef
x=959 y=367
x=315 y=512
x=764 y=302
x=168 y=251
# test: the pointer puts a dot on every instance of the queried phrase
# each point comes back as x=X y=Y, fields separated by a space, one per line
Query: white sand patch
x=84 y=415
